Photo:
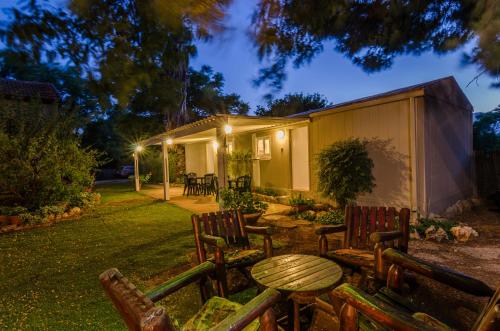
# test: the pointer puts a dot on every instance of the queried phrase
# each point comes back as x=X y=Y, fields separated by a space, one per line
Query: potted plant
x=250 y=207
x=301 y=204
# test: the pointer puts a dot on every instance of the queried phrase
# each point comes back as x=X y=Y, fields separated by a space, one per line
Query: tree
x=487 y=131
x=345 y=171
x=292 y=104
x=373 y=33
x=41 y=160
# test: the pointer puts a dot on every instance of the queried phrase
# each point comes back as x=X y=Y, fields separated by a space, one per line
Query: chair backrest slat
x=363 y=221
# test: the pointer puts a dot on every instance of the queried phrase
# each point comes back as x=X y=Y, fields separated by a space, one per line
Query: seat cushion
x=355 y=257
x=214 y=311
x=431 y=321
x=243 y=257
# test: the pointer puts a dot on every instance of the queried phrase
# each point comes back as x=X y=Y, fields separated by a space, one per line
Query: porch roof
x=205 y=129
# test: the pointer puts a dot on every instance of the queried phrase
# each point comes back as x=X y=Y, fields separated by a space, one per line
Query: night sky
x=329 y=74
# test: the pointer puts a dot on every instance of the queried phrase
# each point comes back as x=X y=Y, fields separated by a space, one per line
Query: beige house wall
x=448 y=154
x=386 y=127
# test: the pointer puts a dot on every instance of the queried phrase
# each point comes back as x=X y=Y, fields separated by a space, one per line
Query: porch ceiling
x=206 y=129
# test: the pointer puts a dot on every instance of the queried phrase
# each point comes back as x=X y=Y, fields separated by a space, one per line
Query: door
x=300 y=158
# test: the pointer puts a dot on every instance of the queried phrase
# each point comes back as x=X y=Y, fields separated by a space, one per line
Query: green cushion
x=214 y=311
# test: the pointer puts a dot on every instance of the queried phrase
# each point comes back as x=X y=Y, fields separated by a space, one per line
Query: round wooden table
x=300 y=277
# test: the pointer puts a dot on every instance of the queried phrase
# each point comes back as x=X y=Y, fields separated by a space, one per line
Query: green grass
x=49 y=276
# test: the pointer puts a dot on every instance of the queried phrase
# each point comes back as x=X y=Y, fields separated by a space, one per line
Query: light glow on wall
x=169 y=141
x=215 y=144
x=280 y=134
x=228 y=129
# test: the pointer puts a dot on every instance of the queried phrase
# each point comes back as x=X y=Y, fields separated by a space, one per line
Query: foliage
x=331 y=217
x=292 y=104
x=373 y=33
x=41 y=160
x=300 y=201
x=239 y=163
x=85 y=200
x=487 y=131
x=12 y=211
x=344 y=171
x=305 y=215
x=424 y=223
x=267 y=191
x=232 y=199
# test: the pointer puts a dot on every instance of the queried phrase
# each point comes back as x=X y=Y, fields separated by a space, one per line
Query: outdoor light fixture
x=228 y=129
x=138 y=148
x=169 y=141
x=280 y=134
x=215 y=144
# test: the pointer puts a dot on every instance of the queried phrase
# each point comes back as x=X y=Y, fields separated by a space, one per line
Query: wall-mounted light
x=138 y=148
x=280 y=134
x=169 y=141
x=228 y=129
x=215 y=144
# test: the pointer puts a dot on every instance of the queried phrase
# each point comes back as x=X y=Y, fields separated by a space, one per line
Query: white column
x=221 y=157
x=136 y=172
x=166 y=184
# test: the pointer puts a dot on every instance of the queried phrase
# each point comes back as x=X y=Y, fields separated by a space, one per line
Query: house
x=12 y=90
x=419 y=137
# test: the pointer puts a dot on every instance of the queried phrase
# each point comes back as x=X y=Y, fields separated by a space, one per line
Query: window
x=264 y=148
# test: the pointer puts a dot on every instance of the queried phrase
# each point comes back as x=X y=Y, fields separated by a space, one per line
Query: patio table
x=300 y=277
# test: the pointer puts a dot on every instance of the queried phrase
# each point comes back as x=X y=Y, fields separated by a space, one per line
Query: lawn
x=49 y=276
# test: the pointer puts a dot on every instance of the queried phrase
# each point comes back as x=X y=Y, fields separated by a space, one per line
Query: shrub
x=41 y=160
x=232 y=199
x=32 y=218
x=335 y=216
x=300 y=201
x=12 y=211
x=425 y=223
x=344 y=171
x=85 y=200
x=306 y=215
x=267 y=191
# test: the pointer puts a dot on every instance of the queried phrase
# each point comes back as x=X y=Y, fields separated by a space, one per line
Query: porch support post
x=166 y=184
x=136 y=172
x=221 y=157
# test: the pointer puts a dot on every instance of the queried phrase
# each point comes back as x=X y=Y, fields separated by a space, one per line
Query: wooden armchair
x=139 y=312
x=226 y=235
x=367 y=231
x=389 y=310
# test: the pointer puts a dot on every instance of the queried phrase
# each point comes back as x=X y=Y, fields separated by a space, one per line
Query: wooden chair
x=208 y=184
x=139 y=312
x=387 y=309
x=244 y=184
x=226 y=235
x=367 y=231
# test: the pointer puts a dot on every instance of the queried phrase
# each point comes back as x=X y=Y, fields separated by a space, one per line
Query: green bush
x=239 y=163
x=12 y=211
x=267 y=191
x=335 y=216
x=306 y=215
x=85 y=200
x=300 y=201
x=41 y=160
x=232 y=199
x=344 y=171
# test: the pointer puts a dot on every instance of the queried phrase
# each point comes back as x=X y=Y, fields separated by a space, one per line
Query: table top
x=297 y=273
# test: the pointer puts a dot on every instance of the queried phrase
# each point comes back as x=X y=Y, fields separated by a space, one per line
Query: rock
x=65 y=215
x=476 y=202
x=440 y=235
x=463 y=233
x=75 y=211
x=430 y=231
x=415 y=235
x=310 y=213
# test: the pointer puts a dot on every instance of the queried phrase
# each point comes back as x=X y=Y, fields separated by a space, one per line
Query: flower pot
x=15 y=220
x=252 y=219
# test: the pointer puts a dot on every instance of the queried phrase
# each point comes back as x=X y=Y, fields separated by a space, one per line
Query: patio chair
x=389 y=310
x=208 y=184
x=244 y=183
x=139 y=312
x=225 y=236
x=190 y=184
x=367 y=232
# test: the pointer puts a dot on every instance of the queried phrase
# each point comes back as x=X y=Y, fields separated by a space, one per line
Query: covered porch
x=209 y=141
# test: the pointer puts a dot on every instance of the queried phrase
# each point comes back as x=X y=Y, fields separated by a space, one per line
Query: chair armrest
x=375 y=309
x=327 y=229
x=378 y=237
x=213 y=240
x=443 y=275
x=262 y=230
x=246 y=314
x=181 y=280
